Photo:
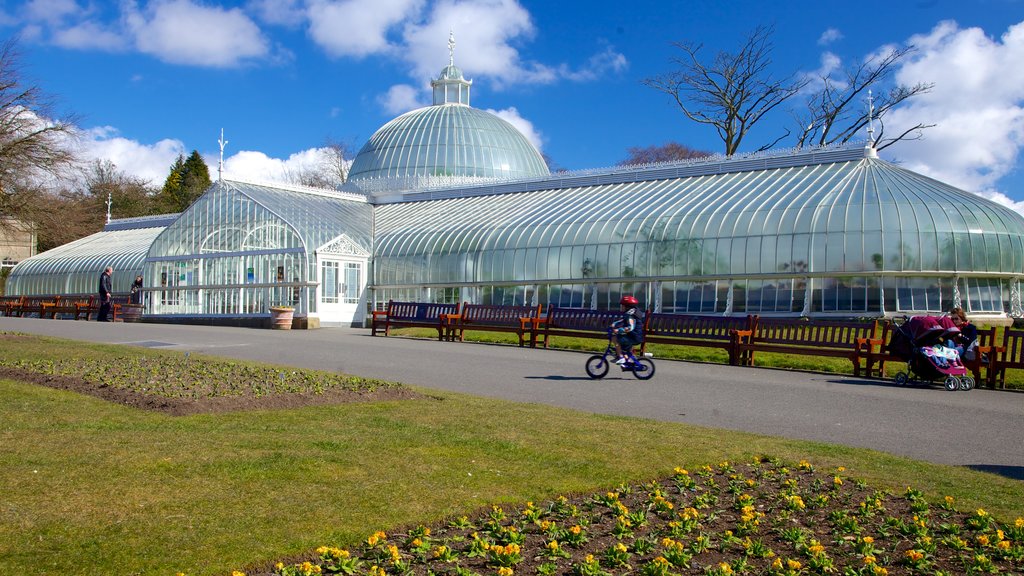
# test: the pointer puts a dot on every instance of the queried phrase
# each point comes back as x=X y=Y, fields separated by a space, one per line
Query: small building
x=17 y=242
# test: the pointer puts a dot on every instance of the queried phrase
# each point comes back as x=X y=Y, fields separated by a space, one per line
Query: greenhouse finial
x=220 y=163
x=110 y=201
x=451 y=47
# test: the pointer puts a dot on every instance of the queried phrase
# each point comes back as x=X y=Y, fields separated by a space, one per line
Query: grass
x=90 y=487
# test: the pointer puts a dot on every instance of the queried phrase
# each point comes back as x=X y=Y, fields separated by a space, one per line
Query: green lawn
x=88 y=487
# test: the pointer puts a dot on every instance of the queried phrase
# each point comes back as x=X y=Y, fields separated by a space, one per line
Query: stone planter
x=281 y=317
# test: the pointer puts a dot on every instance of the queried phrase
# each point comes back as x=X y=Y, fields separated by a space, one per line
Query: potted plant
x=281 y=317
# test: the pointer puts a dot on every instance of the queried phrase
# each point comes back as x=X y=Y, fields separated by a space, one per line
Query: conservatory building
x=450 y=203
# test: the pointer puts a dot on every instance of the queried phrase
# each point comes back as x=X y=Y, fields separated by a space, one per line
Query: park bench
x=1009 y=355
x=519 y=320
x=833 y=338
x=725 y=332
x=33 y=305
x=63 y=305
x=9 y=303
x=573 y=322
x=86 y=308
x=412 y=315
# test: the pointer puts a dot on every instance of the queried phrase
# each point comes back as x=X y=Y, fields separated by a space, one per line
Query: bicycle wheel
x=643 y=369
x=597 y=366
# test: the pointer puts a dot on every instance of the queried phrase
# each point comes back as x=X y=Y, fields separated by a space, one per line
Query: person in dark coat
x=106 y=289
x=137 y=290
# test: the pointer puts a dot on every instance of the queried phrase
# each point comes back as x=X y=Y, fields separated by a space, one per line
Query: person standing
x=105 y=295
x=136 y=292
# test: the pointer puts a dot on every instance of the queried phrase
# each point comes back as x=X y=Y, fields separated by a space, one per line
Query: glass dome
x=448 y=141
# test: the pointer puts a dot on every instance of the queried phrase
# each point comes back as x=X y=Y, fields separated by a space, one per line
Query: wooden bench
x=575 y=323
x=412 y=315
x=834 y=338
x=1009 y=355
x=494 y=318
x=86 y=308
x=723 y=332
x=63 y=305
x=9 y=303
x=33 y=305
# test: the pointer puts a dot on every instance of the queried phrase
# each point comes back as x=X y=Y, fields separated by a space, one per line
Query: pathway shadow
x=1012 y=472
x=557 y=377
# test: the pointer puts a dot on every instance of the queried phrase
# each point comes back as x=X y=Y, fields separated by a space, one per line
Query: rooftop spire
x=451 y=48
x=450 y=87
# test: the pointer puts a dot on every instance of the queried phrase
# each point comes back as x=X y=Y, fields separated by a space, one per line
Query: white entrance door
x=342 y=283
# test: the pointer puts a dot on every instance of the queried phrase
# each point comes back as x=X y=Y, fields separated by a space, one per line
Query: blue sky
x=152 y=79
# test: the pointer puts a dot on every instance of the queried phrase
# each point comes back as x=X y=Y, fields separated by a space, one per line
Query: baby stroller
x=921 y=342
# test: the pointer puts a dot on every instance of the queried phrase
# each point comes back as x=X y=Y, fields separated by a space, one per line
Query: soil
x=214 y=405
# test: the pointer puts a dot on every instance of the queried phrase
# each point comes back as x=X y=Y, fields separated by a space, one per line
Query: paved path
x=982 y=428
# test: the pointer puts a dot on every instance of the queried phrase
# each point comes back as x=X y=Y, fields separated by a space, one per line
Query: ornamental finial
x=451 y=48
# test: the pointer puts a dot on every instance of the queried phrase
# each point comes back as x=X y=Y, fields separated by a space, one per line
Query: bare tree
x=33 y=145
x=835 y=114
x=329 y=171
x=668 y=152
x=733 y=92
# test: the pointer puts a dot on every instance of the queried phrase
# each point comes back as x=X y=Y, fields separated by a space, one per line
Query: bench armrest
x=743 y=336
x=379 y=314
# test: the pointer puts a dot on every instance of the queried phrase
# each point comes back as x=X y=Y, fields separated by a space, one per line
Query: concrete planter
x=281 y=317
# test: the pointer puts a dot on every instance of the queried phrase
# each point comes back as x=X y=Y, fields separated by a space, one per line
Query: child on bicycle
x=629 y=330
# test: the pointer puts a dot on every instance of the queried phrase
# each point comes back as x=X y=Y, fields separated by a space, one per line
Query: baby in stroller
x=922 y=342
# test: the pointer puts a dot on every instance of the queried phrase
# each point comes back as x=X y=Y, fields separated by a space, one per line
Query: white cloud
x=400 y=99
x=977 y=104
x=358 y=27
x=150 y=162
x=829 y=36
x=88 y=35
x=51 y=10
x=182 y=32
x=253 y=165
x=511 y=115
x=486 y=34
x=279 y=12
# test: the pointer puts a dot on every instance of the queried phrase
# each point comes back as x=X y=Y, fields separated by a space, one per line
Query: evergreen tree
x=188 y=179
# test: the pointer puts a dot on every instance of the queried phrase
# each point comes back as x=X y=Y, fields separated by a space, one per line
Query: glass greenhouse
x=828 y=232
x=448 y=203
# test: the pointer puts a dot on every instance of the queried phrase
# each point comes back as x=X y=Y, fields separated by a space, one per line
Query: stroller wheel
x=901 y=379
x=966 y=382
x=952 y=383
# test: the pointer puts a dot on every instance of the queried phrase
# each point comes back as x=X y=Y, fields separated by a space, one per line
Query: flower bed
x=759 y=518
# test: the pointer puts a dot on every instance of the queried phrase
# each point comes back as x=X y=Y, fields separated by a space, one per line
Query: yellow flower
x=914 y=555
x=868 y=540
x=983 y=540
x=661 y=561
x=553 y=545
x=981 y=512
x=589 y=559
x=869 y=560
x=837 y=481
x=545 y=524
x=440 y=551
x=792 y=564
x=681 y=471
x=841 y=469
x=416 y=542
x=1019 y=523
x=1000 y=534
x=725 y=568
x=620 y=547
x=505 y=571
x=277 y=567
x=949 y=500
x=575 y=530
x=237 y=573
x=777 y=564
x=1003 y=545
x=879 y=571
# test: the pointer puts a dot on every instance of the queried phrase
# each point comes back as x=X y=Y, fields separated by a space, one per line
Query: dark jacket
x=106 y=288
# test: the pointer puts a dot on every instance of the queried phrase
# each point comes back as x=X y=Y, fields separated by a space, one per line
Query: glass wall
x=242 y=248
x=857 y=237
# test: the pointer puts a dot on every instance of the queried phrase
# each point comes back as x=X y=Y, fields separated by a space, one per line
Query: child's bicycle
x=598 y=364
